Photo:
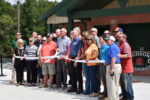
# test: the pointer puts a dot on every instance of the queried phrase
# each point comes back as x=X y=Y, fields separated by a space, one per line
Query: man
x=127 y=68
x=106 y=33
x=35 y=36
x=14 y=45
x=48 y=65
x=117 y=31
x=94 y=32
x=39 y=40
x=56 y=35
x=63 y=43
x=14 y=42
x=102 y=77
x=113 y=70
x=75 y=71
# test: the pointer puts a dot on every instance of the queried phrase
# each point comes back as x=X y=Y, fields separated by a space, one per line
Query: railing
x=7 y=63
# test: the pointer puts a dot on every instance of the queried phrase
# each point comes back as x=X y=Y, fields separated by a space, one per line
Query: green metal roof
x=67 y=7
x=53 y=10
x=79 y=8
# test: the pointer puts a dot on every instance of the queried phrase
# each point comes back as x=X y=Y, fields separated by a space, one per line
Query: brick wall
x=75 y=25
x=142 y=73
x=125 y=19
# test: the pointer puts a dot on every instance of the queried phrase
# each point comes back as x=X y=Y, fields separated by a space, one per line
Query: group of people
x=111 y=47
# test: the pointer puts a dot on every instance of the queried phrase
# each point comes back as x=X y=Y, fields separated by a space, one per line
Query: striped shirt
x=31 y=51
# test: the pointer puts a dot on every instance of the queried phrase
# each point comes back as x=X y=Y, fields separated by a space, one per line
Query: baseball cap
x=49 y=35
x=110 y=38
x=106 y=32
x=118 y=29
x=44 y=38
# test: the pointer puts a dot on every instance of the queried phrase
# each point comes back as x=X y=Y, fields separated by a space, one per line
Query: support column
x=70 y=25
x=49 y=28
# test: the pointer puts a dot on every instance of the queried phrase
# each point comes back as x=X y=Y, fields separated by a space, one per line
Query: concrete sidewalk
x=11 y=92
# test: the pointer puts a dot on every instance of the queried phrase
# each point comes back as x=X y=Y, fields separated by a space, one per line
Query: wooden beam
x=111 y=12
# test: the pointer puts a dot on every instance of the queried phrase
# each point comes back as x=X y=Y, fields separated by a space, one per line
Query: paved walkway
x=11 y=92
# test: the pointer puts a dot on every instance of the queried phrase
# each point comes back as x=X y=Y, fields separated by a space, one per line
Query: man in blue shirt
x=75 y=71
x=113 y=70
x=102 y=69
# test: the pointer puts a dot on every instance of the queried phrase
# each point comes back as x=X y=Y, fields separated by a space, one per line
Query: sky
x=14 y=1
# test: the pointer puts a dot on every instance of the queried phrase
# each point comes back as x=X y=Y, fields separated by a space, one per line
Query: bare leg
x=45 y=79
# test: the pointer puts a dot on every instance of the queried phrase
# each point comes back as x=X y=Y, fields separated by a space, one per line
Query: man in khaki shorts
x=48 y=65
x=48 y=68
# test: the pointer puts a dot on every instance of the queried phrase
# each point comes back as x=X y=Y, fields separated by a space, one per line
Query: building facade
x=132 y=15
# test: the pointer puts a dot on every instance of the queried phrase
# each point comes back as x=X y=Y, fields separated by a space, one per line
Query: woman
x=92 y=54
x=31 y=64
x=19 y=62
x=81 y=56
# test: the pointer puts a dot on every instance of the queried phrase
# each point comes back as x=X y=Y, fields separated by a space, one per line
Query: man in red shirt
x=48 y=65
x=127 y=68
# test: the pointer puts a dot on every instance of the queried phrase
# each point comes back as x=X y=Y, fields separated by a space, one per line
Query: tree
x=7 y=26
x=30 y=12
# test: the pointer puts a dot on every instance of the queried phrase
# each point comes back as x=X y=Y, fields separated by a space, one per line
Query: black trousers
x=76 y=75
x=61 y=73
x=31 y=71
x=102 y=77
x=19 y=66
x=54 y=77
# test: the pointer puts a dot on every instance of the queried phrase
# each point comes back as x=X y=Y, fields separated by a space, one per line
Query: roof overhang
x=54 y=19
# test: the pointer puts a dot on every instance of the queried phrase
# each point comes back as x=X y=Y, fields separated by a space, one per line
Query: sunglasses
x=88 y=39
x=92 y=31
x=114 y=31
x=30 y=41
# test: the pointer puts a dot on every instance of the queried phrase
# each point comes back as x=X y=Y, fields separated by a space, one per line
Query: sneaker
x=71 y=89
x=33 y=84
x=29 y=84
x=41 y=86
x=79 y=91
x=93 y=95
x=57 y=87
x=100 y=97
x=64 y=87
x=12 y=81
x=120 y=96
x=17 y=84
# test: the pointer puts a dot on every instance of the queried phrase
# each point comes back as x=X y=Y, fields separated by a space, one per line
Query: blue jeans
x=126 y=86
x=92 y=81
x=87 y=83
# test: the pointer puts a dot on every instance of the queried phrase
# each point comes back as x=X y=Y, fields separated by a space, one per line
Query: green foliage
x=7 y=27
x=30 y=11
